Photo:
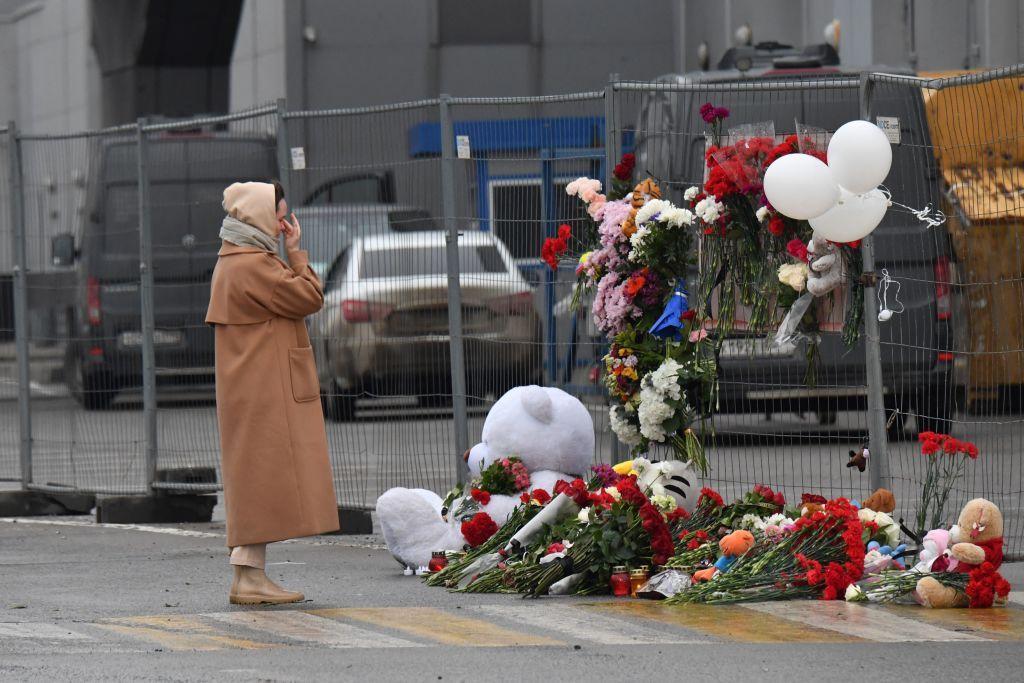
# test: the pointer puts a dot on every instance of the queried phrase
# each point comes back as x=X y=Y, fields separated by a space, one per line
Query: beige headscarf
x=251 y=216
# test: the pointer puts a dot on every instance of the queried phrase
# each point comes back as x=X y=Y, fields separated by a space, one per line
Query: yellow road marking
x=999 y=623
x=180 y=632
x=730 y=622
x=438 y=626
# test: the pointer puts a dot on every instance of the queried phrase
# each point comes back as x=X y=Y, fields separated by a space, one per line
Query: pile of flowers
x=947 y=460
x=570 y=543
x=659 y=371
x=751 y=254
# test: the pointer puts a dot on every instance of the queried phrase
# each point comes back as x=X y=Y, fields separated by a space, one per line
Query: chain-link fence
x=425 y=221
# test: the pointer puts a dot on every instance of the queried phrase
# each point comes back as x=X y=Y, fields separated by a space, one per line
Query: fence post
x=457 y=355
x=878 y=462
x=20 y=305
x=610 y=144
x=146 y=302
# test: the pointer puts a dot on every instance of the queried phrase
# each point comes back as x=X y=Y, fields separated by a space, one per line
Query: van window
x=177 y=210
x=413 y=261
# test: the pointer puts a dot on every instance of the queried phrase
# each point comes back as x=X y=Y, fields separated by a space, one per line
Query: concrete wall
x=49 y=79
x=258 y=65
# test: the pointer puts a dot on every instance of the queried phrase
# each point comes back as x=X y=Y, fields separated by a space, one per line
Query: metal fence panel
x=9 y=425
x=187 y=166
x=367 y=184
x=967 y=161
x=81 y=187
x=771 y=427
x=518 y=155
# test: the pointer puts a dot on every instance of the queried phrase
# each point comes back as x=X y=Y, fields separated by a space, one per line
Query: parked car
x=187 y=176
x=917 y=365
x=328 y=229
x=384 y=327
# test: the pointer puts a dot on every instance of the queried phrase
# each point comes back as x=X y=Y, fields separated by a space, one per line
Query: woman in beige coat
x=275 y=468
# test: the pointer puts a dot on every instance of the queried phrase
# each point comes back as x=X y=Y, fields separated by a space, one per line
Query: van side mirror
x=62 y=249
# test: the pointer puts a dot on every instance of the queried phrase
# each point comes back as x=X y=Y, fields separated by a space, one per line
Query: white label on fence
x=462 y=146
x=298 y=158
x=890 y=125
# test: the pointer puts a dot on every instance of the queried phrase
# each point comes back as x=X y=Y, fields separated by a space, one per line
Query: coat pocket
x=305 y=385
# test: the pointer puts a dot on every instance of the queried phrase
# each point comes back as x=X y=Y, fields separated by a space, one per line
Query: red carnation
x=710 y=495
x=554 y=247
x=541 y=496
x=797 y=249
x=812 y=498
x=480 y=496
x=777 y=226
x=478 y=529
x=555 y=548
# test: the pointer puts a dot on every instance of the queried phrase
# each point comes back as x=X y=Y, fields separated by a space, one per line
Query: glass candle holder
x=438 y=561
x=619 y=582
x=637 y=578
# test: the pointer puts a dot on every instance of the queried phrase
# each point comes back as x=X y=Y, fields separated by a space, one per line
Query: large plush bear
x=976 y=538
x=551 y=432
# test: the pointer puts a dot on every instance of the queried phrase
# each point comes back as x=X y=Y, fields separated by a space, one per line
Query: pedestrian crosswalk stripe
x=727 y=622
x=999 y=623
x=310 y=629
x=179 y=632
x=438 y=626
x=38 y=631
x=859 y=621
x=576 y=623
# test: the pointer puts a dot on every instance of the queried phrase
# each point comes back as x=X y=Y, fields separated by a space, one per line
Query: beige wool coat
x=274 y=462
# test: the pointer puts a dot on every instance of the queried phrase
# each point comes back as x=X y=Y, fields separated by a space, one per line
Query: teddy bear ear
x=537 y=404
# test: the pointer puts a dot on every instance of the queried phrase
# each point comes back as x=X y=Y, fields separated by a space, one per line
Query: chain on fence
x=381 y=191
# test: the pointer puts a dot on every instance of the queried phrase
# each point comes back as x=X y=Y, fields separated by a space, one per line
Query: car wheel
x=338 y=407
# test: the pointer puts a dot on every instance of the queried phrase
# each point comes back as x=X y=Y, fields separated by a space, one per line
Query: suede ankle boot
x=251 y=586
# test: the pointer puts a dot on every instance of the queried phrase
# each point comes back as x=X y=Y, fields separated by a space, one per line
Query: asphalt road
x=401 y=444
x=79 y=601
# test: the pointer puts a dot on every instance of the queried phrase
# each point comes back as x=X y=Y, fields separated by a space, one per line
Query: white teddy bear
x=549 y=430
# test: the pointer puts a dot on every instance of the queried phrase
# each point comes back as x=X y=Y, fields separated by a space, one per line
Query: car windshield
x=427 y=260
x=411 y=220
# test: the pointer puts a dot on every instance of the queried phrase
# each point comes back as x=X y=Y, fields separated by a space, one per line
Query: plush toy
x=935 y=555
x=551 y=432
x=977 y=538
x=668 y=478
x=881 y=500
x=882 y=557
x=733 y=546
x=826 y=266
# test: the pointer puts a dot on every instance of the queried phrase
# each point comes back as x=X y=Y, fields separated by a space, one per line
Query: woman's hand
x=292 y=231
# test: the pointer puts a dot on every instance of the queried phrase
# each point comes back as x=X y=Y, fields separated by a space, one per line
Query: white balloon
x=853 y=217
x=860 y=156
x=800 y=186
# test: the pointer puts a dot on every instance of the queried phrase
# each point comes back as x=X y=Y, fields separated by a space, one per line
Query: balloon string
x=932 y=217
x=883 y=296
